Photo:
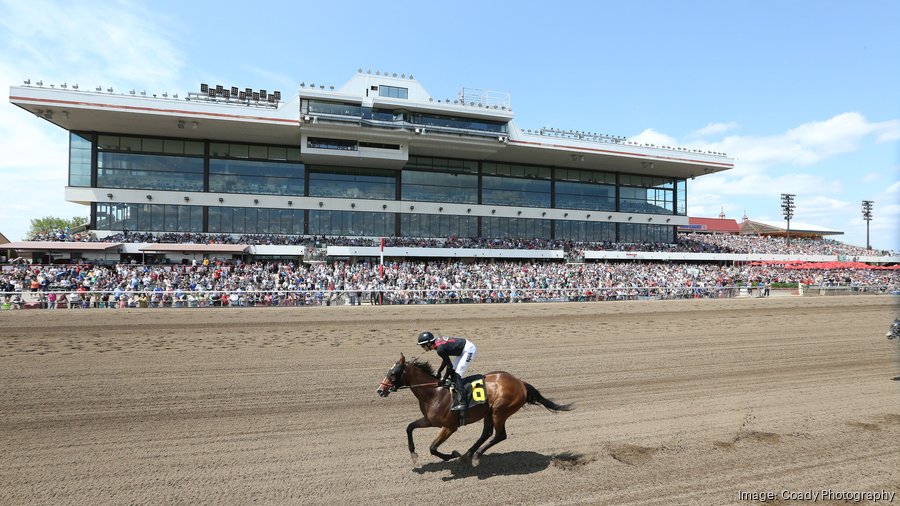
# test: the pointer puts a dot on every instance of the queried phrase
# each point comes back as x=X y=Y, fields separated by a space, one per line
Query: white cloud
x=888 y=131
x=761 y=184
x=651 y=136
x=871 y=177
x=803 y=146
x=126 y=46
x=714 y=129
x=122 y=43
x=791 y=162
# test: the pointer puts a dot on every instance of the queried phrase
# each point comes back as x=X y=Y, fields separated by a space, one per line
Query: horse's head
x=393 y=379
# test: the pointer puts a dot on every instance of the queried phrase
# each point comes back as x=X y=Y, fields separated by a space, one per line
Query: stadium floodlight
x=787 y=209
x=867 y=215
x=277 y=95
x=204 y=88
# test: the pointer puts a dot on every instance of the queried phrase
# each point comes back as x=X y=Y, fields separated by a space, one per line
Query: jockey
x=456 y=354
x=894 y=333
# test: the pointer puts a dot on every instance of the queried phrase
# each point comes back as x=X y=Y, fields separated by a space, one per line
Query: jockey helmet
x=425 y=338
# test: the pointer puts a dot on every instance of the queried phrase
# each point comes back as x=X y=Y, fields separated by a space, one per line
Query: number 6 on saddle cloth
x=474 y=391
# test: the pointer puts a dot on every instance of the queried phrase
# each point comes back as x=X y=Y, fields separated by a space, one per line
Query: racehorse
x=504 y=394
x=894 y=332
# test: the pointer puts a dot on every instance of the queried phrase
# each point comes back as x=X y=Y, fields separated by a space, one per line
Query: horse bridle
x=391 y=387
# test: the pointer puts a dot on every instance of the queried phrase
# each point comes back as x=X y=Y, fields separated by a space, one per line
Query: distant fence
x=819 y=291
x=107 y=299
x=295 y=298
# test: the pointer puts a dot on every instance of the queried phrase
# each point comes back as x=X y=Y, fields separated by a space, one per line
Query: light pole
x=787 y=208
x=867 y=215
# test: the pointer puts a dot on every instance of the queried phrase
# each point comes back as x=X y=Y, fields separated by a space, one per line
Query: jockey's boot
x=459 y=395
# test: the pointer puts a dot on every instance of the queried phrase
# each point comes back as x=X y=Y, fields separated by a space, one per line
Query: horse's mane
x=423 y=366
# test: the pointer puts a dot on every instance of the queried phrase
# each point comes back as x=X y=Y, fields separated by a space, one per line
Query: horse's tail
x=535 y=397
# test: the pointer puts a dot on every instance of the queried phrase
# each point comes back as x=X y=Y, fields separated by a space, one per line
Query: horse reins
x=435 y=383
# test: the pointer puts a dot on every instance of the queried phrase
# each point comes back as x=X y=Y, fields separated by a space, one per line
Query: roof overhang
x=231 y=122
x=196 y=248
x=60 y=246
x=164 y=117
x=610 y=157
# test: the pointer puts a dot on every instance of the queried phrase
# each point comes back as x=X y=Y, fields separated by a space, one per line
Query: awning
x=838 y=265
x=59 y=246
x=195 y=248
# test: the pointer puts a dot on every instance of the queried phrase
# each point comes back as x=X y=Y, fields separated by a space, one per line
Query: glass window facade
x=637 y=233
x=681 y=197
x=253 y=220
x=438 y=225
x=594 y=197
x=442 y=164
x=439 y=187
x=351 y=223
x=149 y=145
x=454 y=123
x=352 y=182
x=585 y=231
x=515 y=185
x=254 y=151
x=151 y=172
x=248 y=176
x=585 y=189
x=149 y=217
x=80 y=148
x=337 y=144
x=196 y=166
x=508 y=191
x=393 y=91
x=646 y=200
x=646 y=194
x=524 y=228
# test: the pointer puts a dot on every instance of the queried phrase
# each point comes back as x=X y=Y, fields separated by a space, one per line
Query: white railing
x=486 y=98
x=298 y=298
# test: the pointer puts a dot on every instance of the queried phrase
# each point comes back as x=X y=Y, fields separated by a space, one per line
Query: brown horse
x=504 y=395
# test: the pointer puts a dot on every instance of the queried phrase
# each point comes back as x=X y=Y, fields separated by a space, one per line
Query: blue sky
x=803 y=94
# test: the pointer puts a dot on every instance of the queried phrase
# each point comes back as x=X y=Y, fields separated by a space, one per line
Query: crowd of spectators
x=215 y=282
x=691 y=242
x=212 y=282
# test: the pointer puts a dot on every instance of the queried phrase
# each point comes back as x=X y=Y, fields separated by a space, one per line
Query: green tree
x=52 y=224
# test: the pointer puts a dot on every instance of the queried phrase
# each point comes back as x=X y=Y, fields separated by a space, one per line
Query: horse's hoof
x=415 y=457
x=474 y=461
x=455 y=455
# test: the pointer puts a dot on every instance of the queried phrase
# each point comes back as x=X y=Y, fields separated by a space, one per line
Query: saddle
x=473 y=393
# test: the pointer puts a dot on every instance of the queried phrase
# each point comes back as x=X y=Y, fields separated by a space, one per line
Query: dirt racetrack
x=677 y=402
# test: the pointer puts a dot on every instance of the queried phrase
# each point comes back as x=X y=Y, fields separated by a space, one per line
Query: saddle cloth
x=474 y=390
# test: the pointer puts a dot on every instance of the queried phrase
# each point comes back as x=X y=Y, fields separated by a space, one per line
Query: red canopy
x=838 y=265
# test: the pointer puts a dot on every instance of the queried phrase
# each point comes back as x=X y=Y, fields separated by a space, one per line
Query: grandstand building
x=379 y=156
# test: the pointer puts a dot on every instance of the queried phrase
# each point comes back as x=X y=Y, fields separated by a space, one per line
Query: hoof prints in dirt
x=864 y=426
x=632 y=454
x=571 y=460
x=751 y=435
